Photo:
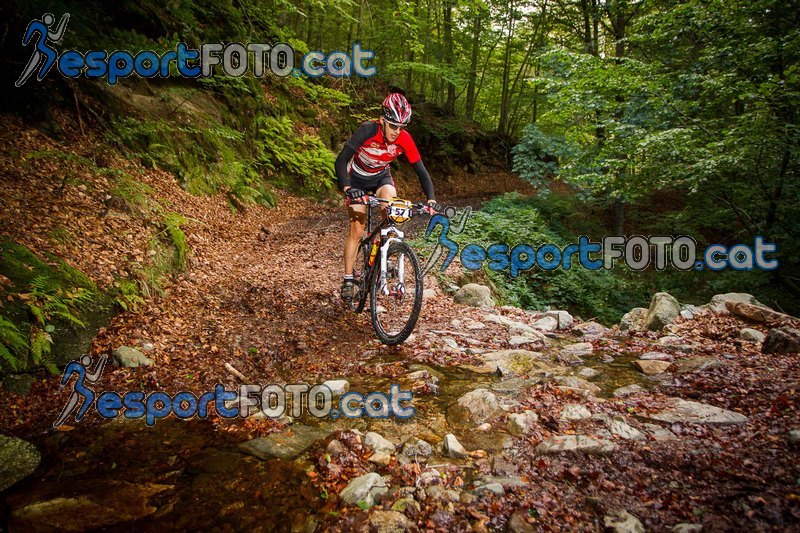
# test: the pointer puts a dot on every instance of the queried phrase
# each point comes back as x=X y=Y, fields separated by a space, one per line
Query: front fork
x=384 y=252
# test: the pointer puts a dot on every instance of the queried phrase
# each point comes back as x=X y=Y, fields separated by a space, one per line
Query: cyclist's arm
x=411 y=152
x=340 y=165
x=366 y=131
x=424 y=179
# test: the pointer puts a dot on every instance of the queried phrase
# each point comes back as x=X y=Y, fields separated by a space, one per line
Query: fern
x=12 y=344
x=40 y=349
x=47 y=301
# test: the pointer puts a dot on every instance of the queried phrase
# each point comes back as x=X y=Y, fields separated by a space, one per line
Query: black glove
x=434 y=207
x=355 y=195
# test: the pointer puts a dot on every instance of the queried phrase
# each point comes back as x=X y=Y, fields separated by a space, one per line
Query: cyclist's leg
x=386 y=190
x=357 y=214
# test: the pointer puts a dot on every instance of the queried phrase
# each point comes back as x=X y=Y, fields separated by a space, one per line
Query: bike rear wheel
x=395 y=314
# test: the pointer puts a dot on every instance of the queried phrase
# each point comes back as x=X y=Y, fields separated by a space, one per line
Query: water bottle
x=373 y=252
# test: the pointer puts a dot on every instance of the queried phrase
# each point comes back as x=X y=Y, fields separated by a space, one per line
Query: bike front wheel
x=396 y=299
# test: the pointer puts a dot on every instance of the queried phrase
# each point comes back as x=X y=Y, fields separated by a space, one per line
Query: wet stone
x=415 y=447
x=286 y=445
x=623 y=522
x=378 y=443
x=688 y=412
x=452 y=448
x=575 y=412
x=575 y=443
x=627 y=390
x=368 y=488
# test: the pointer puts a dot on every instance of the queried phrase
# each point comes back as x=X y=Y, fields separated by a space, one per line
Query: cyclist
x=363 y=167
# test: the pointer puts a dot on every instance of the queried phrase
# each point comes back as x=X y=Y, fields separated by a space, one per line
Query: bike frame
x=385 y=228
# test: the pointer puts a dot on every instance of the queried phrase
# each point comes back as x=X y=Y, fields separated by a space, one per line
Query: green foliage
x=512 y=219
x=127 y=295
x=137 y=196
x=284 y=154
x=13 y=346
x=172 y=227
x=48 y=303
x=47 y=300
x=536 y=157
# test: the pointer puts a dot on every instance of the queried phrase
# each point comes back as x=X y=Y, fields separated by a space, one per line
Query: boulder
x=688 y=312
x=750 y=334
x=655 y=356
x=619 y=427
x=756 y=313
x=474 y=295
x=100 y=505
x=415 y=447
x=368 y=488
x=514 y=361
x=131 y=357
x=590 y=330
x=285 y=445
x=718 y=301
x=664 y=309
x=575 y=443
x=572 y=354
x=623 y=522
x=651 y=368
x=782 y=340
x=18 y=460
x=388 y=522
x=695 y=364
x=452 y=448
x=546 y=323
x=588 y=373
x=688 y=412
x=627 y=390
x=581 y=386
x=575 y=411
x=477 y=406
x=378 y=443
x=563 y=318
x=522 y=423
x=633 y=319
x=335 y=447
x=380 y=458
x=686 y=527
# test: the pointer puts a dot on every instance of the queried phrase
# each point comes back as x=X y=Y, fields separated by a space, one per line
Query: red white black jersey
x=373 y=154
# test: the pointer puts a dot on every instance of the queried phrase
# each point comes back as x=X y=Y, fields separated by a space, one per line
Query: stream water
x=193 y=474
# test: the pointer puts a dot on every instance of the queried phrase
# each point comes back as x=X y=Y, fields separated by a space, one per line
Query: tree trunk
x=502 y=123
x=450 y=103
x=473 y=65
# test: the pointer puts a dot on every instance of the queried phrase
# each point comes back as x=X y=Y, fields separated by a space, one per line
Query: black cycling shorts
x=371 y=185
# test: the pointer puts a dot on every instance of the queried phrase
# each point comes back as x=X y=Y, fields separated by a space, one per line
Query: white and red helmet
x=396 y=109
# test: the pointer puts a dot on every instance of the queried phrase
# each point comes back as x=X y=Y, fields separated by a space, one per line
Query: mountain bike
x=388 y=271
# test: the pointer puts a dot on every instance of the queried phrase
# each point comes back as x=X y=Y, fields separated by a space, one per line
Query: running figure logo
x=79 y=389
x=42 y=52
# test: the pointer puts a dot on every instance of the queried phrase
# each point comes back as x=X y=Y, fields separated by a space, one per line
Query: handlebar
x=419 y=207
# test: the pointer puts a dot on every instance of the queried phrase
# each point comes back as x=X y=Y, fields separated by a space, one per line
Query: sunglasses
x=394 y=127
